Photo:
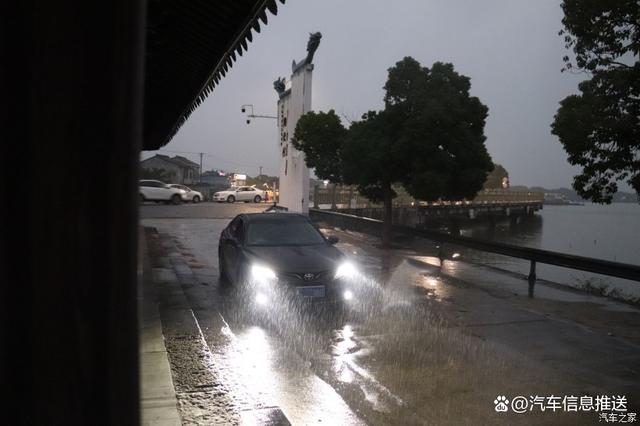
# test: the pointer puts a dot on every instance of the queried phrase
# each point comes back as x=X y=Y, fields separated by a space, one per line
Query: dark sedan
x=276 y=255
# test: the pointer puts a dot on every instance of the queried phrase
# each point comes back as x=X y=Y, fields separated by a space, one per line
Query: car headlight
x=262 y=274
x=346 y=270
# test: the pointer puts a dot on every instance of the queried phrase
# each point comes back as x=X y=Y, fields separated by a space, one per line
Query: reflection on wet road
x=411 y=349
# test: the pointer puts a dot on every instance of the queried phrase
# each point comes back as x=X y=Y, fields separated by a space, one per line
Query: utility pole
x=260 y=174
x=200 y=177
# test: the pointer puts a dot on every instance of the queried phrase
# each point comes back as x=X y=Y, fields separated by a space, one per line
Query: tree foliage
x=496 y=178
x=428 y=138
x=600 y=127
x=156 y=174
x=320 y=136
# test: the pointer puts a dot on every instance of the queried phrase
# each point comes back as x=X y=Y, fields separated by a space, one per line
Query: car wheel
x=175 y=199
x=141 y=198
x=231 y=199
x=257 y=199
x=196 y=199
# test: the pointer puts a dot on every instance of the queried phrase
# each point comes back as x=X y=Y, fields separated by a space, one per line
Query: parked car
x=192 y=195
x=282 y=256
x=154 y=190
x=240 y=193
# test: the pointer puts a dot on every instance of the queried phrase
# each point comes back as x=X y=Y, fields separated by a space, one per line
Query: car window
x=277 y=233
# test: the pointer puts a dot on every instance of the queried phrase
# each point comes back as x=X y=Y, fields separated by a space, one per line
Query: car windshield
x=275 y=233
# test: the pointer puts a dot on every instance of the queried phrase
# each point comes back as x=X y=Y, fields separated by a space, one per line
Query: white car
x=240 y=193
x=191 y=194
x=154 y=190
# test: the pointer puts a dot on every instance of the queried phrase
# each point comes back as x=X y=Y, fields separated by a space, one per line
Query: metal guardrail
x=581 y=263
x=345 y=195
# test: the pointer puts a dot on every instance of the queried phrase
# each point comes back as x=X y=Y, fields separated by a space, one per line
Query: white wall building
x=294 y=174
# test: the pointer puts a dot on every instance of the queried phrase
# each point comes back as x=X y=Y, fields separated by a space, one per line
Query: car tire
x=231 y=199
x=195 y=199
x=257 y=199
x=176 y=199
x=142 y=199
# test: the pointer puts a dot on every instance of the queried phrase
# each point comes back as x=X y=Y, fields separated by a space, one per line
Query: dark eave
x=191 y=44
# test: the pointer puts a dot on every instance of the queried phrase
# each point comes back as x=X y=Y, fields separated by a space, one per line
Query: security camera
x=242 y=109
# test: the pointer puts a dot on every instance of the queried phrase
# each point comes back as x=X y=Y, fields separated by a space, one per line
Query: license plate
x=311 y=291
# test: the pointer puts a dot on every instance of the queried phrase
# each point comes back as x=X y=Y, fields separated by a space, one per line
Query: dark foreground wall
x=71 y=113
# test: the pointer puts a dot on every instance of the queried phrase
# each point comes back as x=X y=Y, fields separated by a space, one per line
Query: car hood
x=296 y=259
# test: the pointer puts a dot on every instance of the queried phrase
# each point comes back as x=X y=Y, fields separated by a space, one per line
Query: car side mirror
x=332 y=239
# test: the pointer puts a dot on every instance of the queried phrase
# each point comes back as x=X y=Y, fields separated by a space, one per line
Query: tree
x=497 y=178
x=156 y=174
x=600 y=127
x=320 y=136
x=429 y=138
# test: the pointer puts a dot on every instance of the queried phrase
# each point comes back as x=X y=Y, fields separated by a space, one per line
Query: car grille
x=304 y=278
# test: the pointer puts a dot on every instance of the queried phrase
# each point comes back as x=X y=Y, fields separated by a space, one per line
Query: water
x=609 y=232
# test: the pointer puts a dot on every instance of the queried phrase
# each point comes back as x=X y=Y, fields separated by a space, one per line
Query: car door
x=155 y=193
x=251 y=193
x=146 y=189
x=243 y=194
x=164 y=191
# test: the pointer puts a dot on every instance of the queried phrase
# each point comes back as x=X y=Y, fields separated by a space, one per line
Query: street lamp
x=249 y=108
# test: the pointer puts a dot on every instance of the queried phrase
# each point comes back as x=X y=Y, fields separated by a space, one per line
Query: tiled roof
x=190 y=46
x=177 y=160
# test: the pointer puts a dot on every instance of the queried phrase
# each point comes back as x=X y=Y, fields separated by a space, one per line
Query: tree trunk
x=388 y=218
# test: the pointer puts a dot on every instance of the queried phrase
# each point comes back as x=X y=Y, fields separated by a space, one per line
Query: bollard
x=315 y=197
x=532 y=277
x=441 y=254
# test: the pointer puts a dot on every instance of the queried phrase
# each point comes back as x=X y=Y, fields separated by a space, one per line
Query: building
x=215 y=179
x=177 y=169
x=105 y=80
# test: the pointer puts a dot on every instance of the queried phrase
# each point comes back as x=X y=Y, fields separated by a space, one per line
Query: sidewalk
x=157 y=395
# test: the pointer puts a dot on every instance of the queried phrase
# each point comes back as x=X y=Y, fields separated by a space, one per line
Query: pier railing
x=339 y=196
x=533 y=255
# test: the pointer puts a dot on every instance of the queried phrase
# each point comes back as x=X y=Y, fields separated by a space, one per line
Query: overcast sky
x=509 y=48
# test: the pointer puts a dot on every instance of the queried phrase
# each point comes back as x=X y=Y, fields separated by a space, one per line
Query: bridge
x=490 y=203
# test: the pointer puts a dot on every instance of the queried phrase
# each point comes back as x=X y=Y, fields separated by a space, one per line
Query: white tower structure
x=294 y=101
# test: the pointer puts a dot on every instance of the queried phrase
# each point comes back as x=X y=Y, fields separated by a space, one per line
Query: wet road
x=417 y=348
